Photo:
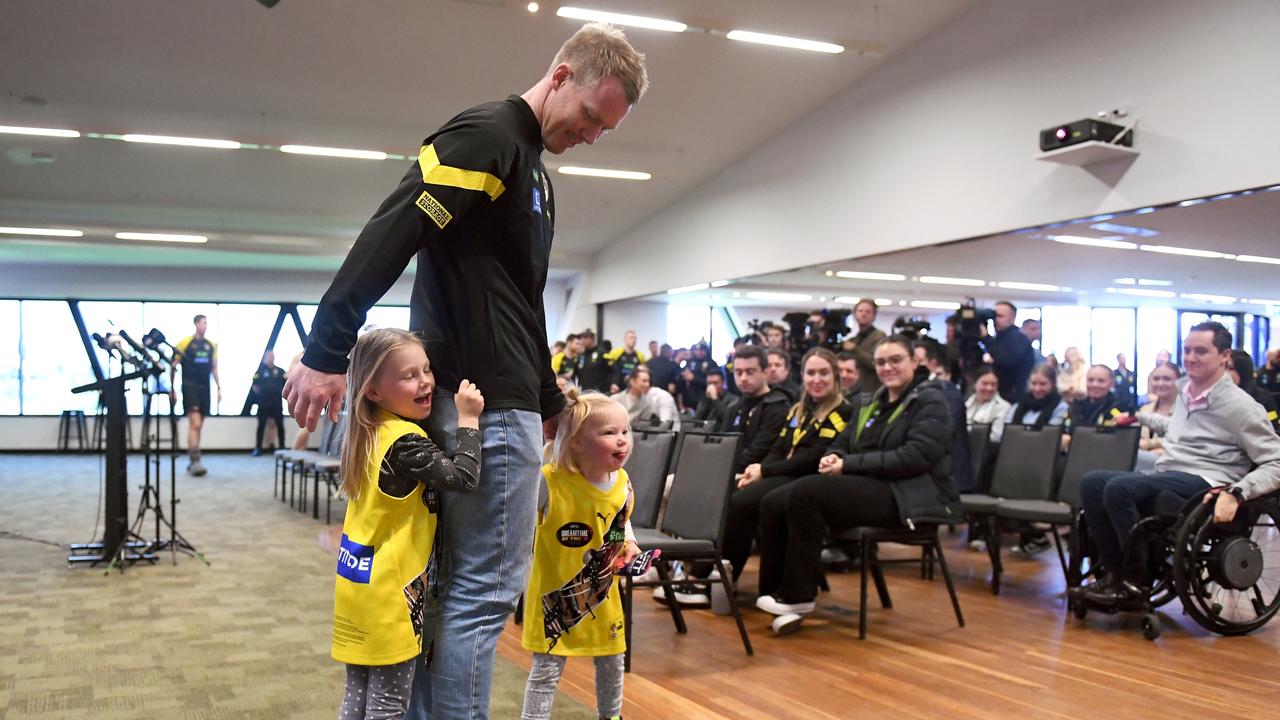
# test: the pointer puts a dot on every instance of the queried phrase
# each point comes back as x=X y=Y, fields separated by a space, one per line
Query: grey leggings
x=545 y=675
x=377 y=692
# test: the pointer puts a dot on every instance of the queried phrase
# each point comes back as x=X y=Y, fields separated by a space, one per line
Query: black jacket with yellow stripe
x=798 y=449
x=477 y=211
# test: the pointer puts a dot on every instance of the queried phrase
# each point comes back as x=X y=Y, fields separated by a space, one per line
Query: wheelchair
x=1226 y=575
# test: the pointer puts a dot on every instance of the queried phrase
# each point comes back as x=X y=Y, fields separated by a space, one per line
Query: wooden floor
x=1019 y=656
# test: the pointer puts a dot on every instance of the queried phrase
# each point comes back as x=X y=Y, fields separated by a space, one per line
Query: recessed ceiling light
x=935 y=305
x=881 y=302
x=182 y=141
x=1263 y=301
x=1258 y=259
x=941 y=280
x=604 y=173
x=42 y=232
x=719 y=283
x=688 y=288
x=1194 y=201
x=1125 y=281
x=783 y=296
x=860 y=275
x=1140 y=292
x=1156 y=283
x=1206 y=297
x=639 y=21
x=43 y=132
x=532 y=7
x=161 y=237
x=785 y=41
x=334 y=152
x=1094 y=242
x=1189 y=252
x=1273 y=188
x=1125 y=229
x=1144 y=211
x=1041 y=287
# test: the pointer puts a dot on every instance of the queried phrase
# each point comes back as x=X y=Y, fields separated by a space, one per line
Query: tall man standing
x=864 y=344
x=198 y=357
x=1011 y=353
x=477 y=209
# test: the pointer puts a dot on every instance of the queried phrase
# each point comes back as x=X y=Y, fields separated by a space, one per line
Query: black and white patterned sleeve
x=415 y=459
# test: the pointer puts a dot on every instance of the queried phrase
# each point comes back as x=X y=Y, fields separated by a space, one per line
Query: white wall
x=648 y=319
x=40 y=433
x=938 y=143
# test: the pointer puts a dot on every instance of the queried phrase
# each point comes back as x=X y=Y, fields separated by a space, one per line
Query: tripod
x=152 y=457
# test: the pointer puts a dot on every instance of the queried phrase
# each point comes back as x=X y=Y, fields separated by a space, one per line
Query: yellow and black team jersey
x=798 y=448
x=477 y=210
x=621 y=363
x=572 y=606
x=379 y=596
x=196 y=356
x=564 y=366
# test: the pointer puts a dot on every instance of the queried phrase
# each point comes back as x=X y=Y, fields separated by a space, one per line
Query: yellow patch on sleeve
x=826 y=433
x=1271 y=415
x=433 y=209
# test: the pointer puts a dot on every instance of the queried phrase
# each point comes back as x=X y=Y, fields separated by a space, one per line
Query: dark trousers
x=265 y=414
x=1115 y=500
x=744 y=518
x=794 y=520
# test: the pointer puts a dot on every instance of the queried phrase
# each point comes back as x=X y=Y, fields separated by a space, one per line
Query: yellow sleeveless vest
x=386 y=543
x=571 y=606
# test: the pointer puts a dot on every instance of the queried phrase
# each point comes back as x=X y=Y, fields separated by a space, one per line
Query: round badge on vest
x=574 y=534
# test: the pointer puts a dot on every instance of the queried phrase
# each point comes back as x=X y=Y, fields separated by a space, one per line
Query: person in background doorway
x=1126 y=381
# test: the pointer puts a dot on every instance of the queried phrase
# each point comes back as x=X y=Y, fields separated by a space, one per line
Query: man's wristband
x=1237 y=491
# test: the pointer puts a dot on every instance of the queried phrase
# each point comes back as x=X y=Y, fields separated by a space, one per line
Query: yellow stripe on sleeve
x=836 y=421
x=433 y=173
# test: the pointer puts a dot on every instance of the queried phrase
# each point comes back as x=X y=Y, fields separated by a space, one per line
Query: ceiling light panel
x=42 y=232
x=1125 y=229
x=182 y=141
x=861 y=275
x=43 y=132
x=637 y=21
x=935 y=305
x=347 y=153
x=785 y=41
x=1188 y=252
x=1039 y=287
x=1108 y=243
x=1258 y=259
x=1142 y=292
x=604 y=173
x=1206 y=297
x=942 y=280
x=161 y=237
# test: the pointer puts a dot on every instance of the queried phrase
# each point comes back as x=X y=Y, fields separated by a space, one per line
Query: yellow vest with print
x=386 y=544
x=580 y=533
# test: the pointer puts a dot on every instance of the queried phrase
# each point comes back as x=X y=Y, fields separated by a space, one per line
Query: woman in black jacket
x=813 y=423
x=1240 y=366
x=890 y=468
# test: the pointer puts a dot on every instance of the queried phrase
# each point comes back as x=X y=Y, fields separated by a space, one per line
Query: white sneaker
x=978 y=545
x=787 y=624
x=773 y=606
x=650 y=575
x=692 y=599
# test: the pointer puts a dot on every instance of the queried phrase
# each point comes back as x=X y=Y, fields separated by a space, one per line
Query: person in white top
x=644 y=402
x=985 y=404
x=1072 y=375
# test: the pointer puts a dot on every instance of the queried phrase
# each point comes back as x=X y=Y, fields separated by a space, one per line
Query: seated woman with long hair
x=1042 y=405
x=813 y=423
x=891 y=467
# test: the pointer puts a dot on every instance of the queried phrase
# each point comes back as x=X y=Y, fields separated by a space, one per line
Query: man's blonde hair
x=598 y=51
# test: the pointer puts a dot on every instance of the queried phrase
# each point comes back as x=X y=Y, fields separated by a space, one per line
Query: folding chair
x=647 y=467
x=692 y=528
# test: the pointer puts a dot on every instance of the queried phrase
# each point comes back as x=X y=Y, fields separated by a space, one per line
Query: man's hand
x=713 y=393
x=549 y=428
x=309 y=392
x=613 y=388
x=750 y=474
x=831 y=465
x=1224 y=510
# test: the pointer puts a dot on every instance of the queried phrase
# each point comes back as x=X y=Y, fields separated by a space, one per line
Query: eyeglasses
x=892 y=360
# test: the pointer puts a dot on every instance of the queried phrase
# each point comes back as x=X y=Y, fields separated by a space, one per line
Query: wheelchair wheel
x=1228 y=575
x=1162 y=590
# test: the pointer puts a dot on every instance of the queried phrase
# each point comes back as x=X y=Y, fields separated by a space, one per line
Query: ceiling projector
x=1082 y=131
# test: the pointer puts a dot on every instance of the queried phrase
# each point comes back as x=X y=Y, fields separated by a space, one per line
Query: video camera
x=913 y=327
x=970 y=321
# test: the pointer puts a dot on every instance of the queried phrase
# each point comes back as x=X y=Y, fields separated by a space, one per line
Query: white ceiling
x=377 y=75
x=1245 y=223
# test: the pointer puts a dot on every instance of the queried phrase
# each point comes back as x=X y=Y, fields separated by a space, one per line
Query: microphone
x=101 y=341
x=134 y=344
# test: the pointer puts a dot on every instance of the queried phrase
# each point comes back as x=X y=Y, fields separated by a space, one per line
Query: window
x=1113 y=334
x=112 y=317
x=722 y=336
x=10 y=359
x=247 y=329
x=1156 y=331
x=53 y=360
x=688 y=324
x=384 y=316
x=1064 y=326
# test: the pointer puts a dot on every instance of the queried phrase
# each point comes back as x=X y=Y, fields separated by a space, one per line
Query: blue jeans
x=1115 y=500
x=488 y=547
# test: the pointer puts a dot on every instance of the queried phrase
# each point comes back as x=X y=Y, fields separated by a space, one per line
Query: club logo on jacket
x=434 y=209
x=355 y=561
x=574 y=534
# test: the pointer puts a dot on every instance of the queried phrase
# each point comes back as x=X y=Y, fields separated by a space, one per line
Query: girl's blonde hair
x=582 y=405
x=358 y=445
x=832 y=401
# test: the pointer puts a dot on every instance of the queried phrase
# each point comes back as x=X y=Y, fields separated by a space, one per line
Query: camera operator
x=693 y=375
x=1010 y=351
x=778 y=371
x=718 y=405
x=864 y=344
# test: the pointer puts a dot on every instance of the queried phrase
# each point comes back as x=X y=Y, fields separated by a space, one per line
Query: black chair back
x=979 y=441
x=647 y=467
x=1026 y=462
x=1097 y=448
x=699 y=499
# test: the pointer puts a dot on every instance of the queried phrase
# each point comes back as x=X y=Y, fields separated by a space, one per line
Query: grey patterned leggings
x=545 y=675
x=377 y=692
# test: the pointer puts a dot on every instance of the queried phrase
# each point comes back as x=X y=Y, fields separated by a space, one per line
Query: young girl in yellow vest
x=571 y=607
x=392 y=475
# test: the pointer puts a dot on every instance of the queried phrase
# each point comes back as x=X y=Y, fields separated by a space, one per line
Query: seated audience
x=718 y=405
x=647 y=405
x=1162 y=395
x=888 y=468
x=1269 y=374
x=1218 y=438
x=762 y=413
x=1042 y=405
x=929 y=353
x=985 y=404
x=1072 y=374
x=849 y=381
x=1240 y=368
x=778 y=370
x=811 y=426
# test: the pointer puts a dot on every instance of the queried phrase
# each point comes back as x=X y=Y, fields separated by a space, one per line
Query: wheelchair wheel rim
x=1208 y=589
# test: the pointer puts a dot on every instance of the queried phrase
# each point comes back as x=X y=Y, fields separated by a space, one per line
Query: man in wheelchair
x=1218 y=439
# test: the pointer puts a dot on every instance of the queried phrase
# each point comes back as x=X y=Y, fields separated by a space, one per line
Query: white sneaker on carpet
x=978 y=545
x=650 y=575
x=773 y=606
x=787 y=624
x=691 y=599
